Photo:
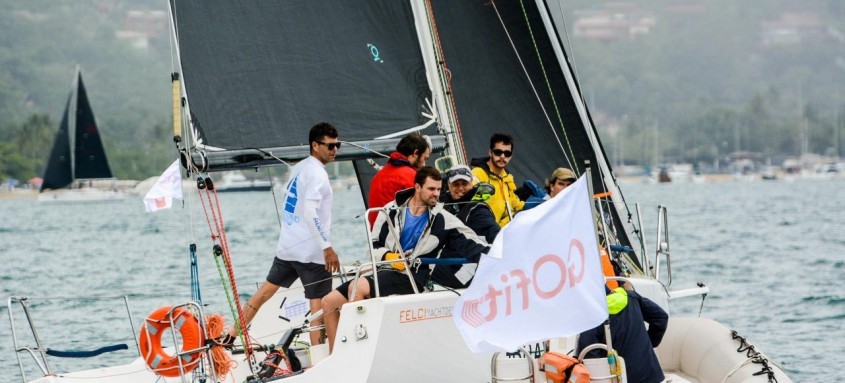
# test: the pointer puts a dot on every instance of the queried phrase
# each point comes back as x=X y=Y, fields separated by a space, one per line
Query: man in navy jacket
x=628 y=310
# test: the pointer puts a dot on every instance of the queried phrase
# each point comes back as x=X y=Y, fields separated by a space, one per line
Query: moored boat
x=78 y=160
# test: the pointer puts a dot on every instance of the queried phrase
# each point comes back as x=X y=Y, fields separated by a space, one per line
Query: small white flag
x=542 y=278
x=167 y=187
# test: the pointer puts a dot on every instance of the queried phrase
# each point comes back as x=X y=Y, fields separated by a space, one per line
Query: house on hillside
x=613 y=21
x=142 y=26
x=793 y=28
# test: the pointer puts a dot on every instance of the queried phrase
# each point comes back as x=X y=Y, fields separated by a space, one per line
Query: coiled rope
x=221 y=361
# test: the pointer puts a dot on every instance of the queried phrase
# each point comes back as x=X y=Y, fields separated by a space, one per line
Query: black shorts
x=315 y=278
x=389 y=282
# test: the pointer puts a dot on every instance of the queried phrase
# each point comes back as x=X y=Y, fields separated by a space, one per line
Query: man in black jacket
x=628 y=310
x=465 y=201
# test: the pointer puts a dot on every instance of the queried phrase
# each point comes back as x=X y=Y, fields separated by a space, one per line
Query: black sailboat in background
x=78 y=158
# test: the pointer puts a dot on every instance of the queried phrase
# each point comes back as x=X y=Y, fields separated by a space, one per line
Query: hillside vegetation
x=697 y=86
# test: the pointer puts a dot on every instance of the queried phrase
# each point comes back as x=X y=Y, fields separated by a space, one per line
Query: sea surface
x=773 y=254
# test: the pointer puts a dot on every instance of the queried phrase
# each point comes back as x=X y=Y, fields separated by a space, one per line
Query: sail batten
x=259 y=157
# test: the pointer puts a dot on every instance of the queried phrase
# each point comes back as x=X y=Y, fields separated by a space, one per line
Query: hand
x=332 y=262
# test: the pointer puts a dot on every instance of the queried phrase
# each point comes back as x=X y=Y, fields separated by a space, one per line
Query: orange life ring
x=193 y=338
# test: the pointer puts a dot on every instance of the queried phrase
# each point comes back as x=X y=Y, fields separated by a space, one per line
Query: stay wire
x=549 y=87
x=533 y=88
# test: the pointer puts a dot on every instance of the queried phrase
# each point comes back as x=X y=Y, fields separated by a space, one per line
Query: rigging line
x=575 y=74
x=534 y=89
x=446 y=78
x=216 y=236
x=549 y=87
x=227 y=261
x=365 y=148
x=272 y=156
x=170 y=40
x=273 y=194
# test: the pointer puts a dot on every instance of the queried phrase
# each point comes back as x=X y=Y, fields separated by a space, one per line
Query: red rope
x=219 y=237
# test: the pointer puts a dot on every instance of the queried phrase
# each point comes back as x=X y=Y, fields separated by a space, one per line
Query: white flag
x=167 y=187
x=541 y=280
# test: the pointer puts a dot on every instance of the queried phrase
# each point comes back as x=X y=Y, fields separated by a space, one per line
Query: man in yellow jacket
x=505 y=203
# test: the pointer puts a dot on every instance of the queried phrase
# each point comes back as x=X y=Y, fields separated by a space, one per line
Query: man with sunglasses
x=304 y=249
x=504 y=203
x=398 y=174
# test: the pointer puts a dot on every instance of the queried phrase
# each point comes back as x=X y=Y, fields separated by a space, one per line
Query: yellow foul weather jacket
x=505 y=203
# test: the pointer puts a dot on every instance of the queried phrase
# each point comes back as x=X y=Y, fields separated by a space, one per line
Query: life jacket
x=562 y=368
x=607 y=268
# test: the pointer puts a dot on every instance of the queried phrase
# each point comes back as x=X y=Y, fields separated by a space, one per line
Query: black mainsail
x=259 y=74
x=87 y=158
x=506 y=76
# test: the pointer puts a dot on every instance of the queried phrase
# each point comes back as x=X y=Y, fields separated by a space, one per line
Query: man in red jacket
x=398 y=174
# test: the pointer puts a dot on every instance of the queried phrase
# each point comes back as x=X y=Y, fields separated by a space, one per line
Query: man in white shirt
x=304 y=249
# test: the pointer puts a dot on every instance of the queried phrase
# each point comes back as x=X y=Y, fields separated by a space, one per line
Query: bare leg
x=316 y=305
x=331 y=316
x=261 y=296
x=333 y=302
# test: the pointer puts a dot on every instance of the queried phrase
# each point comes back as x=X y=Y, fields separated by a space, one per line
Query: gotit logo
x=569 y=271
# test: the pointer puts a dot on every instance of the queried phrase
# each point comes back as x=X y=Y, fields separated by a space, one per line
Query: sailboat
x=253 y=76
x=78 y=159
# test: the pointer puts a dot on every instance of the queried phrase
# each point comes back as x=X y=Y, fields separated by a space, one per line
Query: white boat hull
x=81 y=195
x=703 y=350
x=412 y=338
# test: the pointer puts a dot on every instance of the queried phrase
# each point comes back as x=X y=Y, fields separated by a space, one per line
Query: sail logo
x=291 y=197
x=374 y=52
x=569 y=270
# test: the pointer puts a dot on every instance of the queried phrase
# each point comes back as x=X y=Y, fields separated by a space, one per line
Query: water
x=770 y=252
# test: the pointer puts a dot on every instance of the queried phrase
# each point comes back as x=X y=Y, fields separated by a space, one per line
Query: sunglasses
x=331 y=146
x=461 y=171
x=499 y=152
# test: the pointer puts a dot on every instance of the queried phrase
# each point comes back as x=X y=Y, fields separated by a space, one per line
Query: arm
x=312 y=219
x=381 y=233
x=463 y=240
x=482 y=222
x=516 y=203
x=656 y=318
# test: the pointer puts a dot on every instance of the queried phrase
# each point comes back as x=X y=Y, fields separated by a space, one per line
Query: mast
x=72 y=116
x=437 y=80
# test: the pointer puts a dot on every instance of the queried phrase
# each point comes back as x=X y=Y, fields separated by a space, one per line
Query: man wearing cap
x=504 y=203
x=559 y=180
x=466 y=202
